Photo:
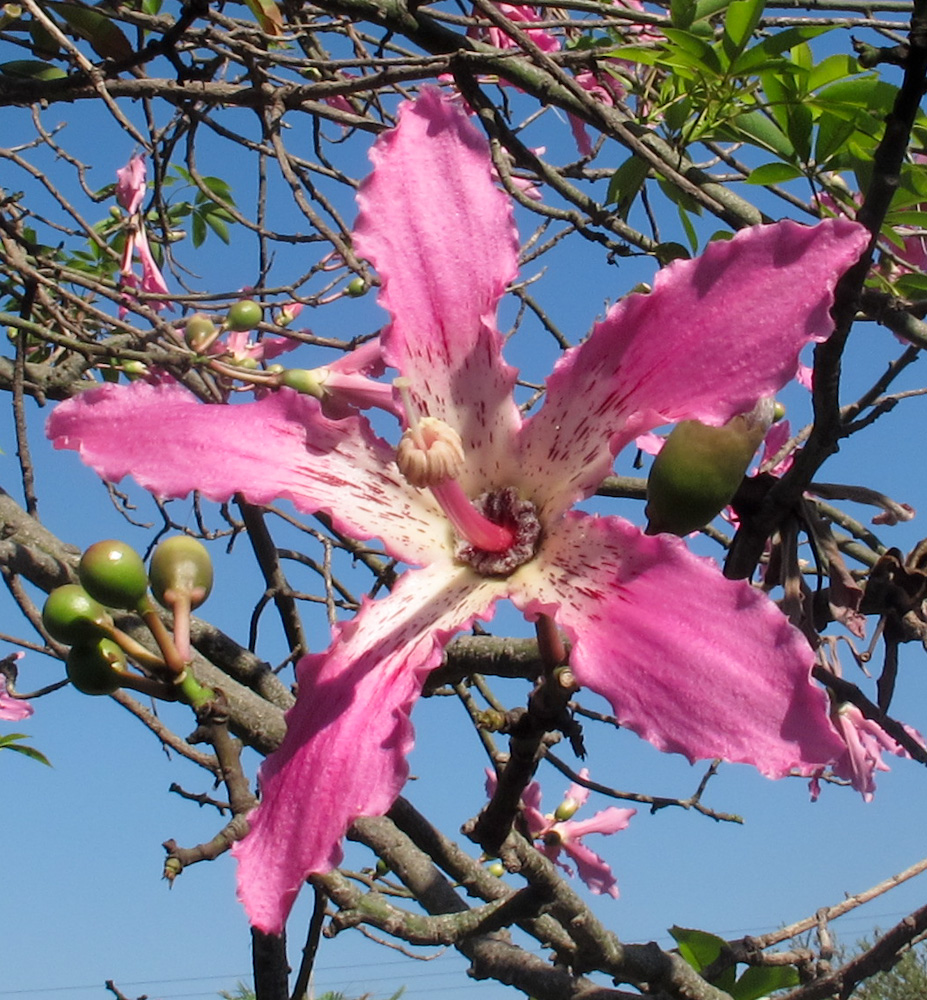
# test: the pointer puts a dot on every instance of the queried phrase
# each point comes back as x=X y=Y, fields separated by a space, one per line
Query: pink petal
x=152 y=280
x=13 y=709
x=692 y=662
x=441 y=235
x=591 y=868
x=130 y=184
x=278 y=446
x=348 y=734
x=714 y=335
x=606 y=821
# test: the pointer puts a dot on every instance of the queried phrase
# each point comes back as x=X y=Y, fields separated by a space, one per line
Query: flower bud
x=96 y=667
x=180 y=566
x=356 y=287
x=496 y=868
x=244 y=315
x=699 y=469
x=113 y=573
x=71 y=615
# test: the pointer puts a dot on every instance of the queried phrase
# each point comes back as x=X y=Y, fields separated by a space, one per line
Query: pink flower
x=130 y=184
x=523 y=16
x=130 y=193
x=865 y=741
x=695 y=663
x=566 y=835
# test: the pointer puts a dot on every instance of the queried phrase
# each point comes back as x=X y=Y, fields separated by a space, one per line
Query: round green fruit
x=96 y=667
x=199 y=332
x=180 y=566
x=71 y=615
x=244 y=315
x=114 y=574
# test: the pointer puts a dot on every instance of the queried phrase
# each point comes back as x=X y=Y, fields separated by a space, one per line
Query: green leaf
x=839 y=66
x=199 y=229
x=774 y=173
x=698 y=948
x=12 y=742
x=105 y=37
x=268 y=14
x=739 y=24
x=625 y=183
x=219 y=226
x=708 y=8
x=31 y=69
x=761 y=980
x=762 y=131
x=682 y=13
x=832 y=134
x=799 y=130
x=222 y=189
x=912 y=286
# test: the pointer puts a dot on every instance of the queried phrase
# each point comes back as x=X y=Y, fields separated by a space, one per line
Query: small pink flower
x=865 y=743
x=130 y=193
x=556 y=836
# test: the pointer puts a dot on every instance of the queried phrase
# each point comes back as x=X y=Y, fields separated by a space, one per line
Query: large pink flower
x=695 y=663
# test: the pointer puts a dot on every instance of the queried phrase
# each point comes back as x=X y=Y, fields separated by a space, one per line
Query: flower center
x=498 y=531
x=505 y=508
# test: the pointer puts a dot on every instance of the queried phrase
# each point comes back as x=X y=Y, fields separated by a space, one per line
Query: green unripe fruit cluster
x=180 y=566
x=96 y=667
x=71 y=615
x=113 y=574
x=244 y=315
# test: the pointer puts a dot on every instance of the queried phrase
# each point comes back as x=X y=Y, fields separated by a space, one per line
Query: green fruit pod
x=71 y=615
x=180 y=567
x=96 y=668
x=113 y=574
x=244 y=315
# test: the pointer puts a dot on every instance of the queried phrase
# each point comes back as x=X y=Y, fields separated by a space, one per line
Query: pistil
x=431 y=455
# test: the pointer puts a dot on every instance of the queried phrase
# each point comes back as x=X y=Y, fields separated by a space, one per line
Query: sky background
x=81 y=899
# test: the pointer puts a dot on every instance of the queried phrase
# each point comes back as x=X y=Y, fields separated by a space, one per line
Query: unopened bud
x=96 y=668
x=566 y=810
x=71 y=615
x=308 y=381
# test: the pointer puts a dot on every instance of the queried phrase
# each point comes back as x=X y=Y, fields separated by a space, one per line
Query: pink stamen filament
x=468 y=522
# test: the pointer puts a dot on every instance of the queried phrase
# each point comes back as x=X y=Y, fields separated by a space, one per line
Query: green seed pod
x=199 y=332
x=71 y=615
x=180 y=566
x=303 y=380
x=244 y=315
x=96 y=667
x=698 y=470
x=356 y=287
x=113 y=574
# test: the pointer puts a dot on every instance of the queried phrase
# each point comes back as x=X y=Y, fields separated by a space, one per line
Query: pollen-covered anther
x=429 y=454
